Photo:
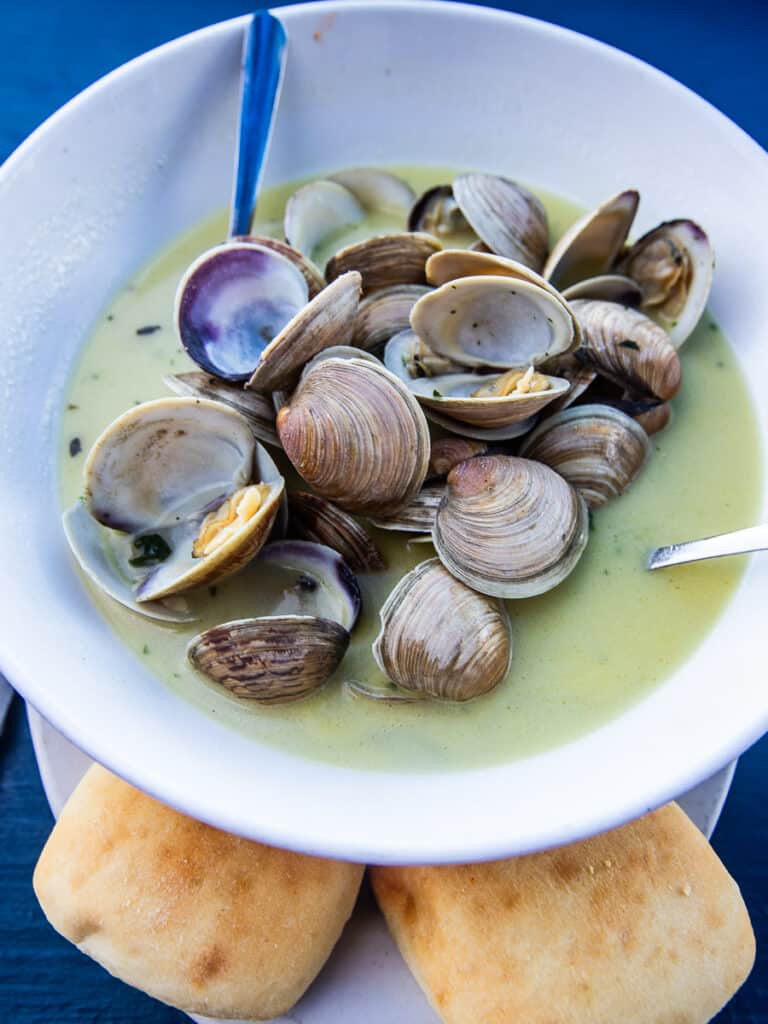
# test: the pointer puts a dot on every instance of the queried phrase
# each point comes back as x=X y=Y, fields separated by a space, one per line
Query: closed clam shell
x=257 y=409
x=467 y=656
x=628 y=348
x=494 y=321
x=507 y=217
x=315 y=519
x=311 y=272
x=509 y=527
x=599 y=450
x=591 y=245
x=384 y=313
x=385 y=260
x=329 y=319
x=271 y=660
x=453 y=395
x=673 y=266
x=447 y=452
x=355 y=433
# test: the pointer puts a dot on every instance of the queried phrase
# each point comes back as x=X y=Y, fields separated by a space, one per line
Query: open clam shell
x=272 y=660
x=494 y=321
x=508 y=218
x=509 y=527
x=408 y=357
x=437 y=212
x=384 y=313
x=315 y=519
x=454 y=395
x=628 y=348
x=311 y=272
x=610 y=287
x=355 y=433
x=467 y=657
x=673 y=266
x=377 y=190
x=385 y=260
x=599 y=450
x=257 y=409
x=329 y=319
x=317 y=211
x=232 y=301
x=590 y=247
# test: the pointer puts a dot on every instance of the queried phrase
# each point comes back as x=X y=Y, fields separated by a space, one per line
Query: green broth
x=582 y=653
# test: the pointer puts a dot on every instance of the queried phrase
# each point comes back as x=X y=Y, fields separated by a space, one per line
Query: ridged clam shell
x=376 y=190
x=598 y=449
x=507 y=217
x=673 y=267
x=356 y=435
x=312 y=273
x=509 y=527
x=447 y=452
x=270 y=660
x=591 y=245
x=318 y=210
x=418 y=516
x=467 y=656
x=452 y=396
x=384 y=313
x=329 y=319
x=579 y=376
x=257 y=409
x=385 y=260
x=315 y=519
x=628 y=348
x=494 y=321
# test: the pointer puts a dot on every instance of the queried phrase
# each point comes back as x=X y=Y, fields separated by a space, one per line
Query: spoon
x=738 y=543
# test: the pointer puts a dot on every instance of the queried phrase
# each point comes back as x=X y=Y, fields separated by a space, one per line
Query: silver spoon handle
x=738 y=543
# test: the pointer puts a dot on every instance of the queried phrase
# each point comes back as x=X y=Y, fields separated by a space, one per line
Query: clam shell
x=329 y=319
x=610 y=287
x=652 y=416
x=591 y=245
x=438 y=213
x=628 y=348
x=257 y=409
x=598 y=449
x=579 y=376
x=509 y=527
x=447 y=452
x=355 y=433
x=508 y=218
x=315 y=519
x=232 y=301
x=385 y=260
x=326 y=584
x=318 y=210
x=494 y=321
x=384 y=313
x=466 y=657
x=418 y=516
x=462 y=429
x=273 y=660
x=673 y=266
x=311 y=272
x=452 y=396
x=408 y=357
x=377 y=190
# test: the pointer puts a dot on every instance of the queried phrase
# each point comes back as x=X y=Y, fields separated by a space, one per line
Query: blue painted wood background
x=48 y=52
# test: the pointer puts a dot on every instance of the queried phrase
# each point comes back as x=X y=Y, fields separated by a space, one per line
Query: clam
x=673 y=267
x=489 y=400
x=611 y=287
x=377 y=190
x=316 y=212
x=324 y=583
x=329 y=319
x=442 y=639
x=355 y=433
x=418 y=516
x=652 y=416
x=192 y=493
x=315 y=519
x=312 y=273
x=385 y=260
x=384 y=313
x=599 y=450
x=628 y=348
x=509 y=219
x=438 y=213
x=569 y=367
x=232 y=301
x=509 y=527
x=447 y=452
x=408 y=357
x=590 y=247
x=256 y=408
x=493 y=321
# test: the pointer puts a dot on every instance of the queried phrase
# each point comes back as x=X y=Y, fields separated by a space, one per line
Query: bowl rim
x=296 y=835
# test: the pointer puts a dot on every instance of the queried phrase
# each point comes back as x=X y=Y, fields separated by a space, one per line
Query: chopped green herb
x=213 y=591
x=75 y=447
x=110 y=317
x=177 y=675
x=149 y=329
x=712 y=325
x=151 y=548
x=436 y=393
x=629 y=344
x=145 y=649
x=95 y=376
x=71 y=407
x=720 y=364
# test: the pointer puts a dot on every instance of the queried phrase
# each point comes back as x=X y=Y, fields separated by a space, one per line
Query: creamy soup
x=582 y=653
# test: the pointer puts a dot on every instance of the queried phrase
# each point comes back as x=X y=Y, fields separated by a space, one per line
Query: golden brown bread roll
x=198 y=918
x=642 y=925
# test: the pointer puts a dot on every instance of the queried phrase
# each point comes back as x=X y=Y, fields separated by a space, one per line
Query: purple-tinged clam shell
x=232 y=302
x=330 y=587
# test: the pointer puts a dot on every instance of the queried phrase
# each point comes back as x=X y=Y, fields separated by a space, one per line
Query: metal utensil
x=740 y=542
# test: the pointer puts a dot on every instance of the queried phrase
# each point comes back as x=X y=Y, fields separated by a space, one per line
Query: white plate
x=365 y=978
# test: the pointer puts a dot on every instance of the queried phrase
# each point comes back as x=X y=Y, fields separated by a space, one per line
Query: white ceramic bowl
x=144 y=154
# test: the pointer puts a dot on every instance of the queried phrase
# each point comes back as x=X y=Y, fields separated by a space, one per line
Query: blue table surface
x=48 y=52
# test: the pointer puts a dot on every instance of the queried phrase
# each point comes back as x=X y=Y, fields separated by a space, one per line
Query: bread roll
x=641 y=925
x=198 y=918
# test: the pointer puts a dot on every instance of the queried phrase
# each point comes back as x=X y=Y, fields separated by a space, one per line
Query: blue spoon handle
x=262 y=76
